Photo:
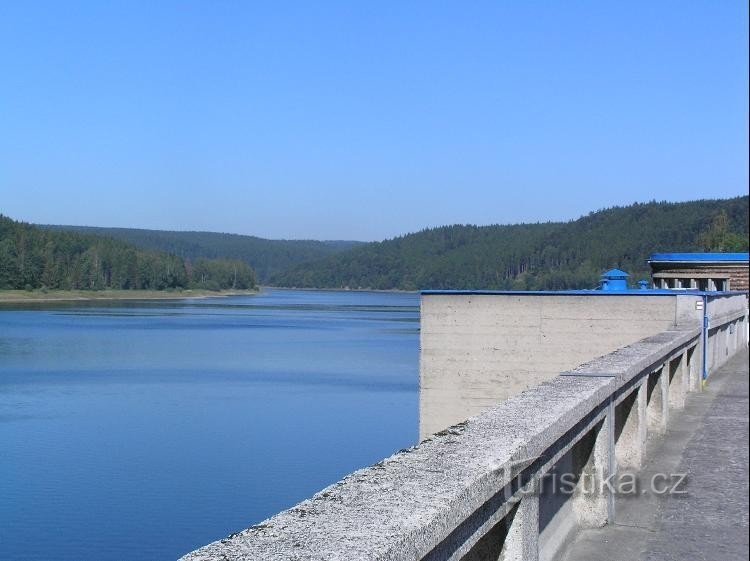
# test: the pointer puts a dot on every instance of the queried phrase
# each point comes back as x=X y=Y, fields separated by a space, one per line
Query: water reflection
x=143 y=429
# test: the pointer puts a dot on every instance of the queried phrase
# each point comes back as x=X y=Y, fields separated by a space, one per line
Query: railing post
x=522 y=539
x=611 y=462
x=738 y=331
x=723 y=337
x=716 y=362
x=694 y=367
x=658 y=403
x=630 y=445
x=678 y=385
x=593 y=502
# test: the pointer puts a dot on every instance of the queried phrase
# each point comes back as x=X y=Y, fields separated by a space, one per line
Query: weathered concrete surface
x=437 y=500
x=409 y=505
x=708 y=440
x=480 y=349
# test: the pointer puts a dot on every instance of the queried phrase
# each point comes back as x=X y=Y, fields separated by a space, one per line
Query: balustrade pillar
x=522 y=539
x=678 y=382
x=658 y=400
x=632 y=440
x=695 y=366
x=593 y=503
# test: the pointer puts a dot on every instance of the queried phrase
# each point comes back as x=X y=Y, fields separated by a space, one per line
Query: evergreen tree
x=33 y=257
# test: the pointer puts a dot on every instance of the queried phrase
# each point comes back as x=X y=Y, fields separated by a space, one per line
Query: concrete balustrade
x=492 y=487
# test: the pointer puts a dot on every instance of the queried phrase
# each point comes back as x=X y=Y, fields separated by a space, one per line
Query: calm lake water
x=142 y=430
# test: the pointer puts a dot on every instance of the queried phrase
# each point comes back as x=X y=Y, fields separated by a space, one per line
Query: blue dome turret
x=614 y=279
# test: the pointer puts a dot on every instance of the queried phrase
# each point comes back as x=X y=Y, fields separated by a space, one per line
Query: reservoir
x=141 y=430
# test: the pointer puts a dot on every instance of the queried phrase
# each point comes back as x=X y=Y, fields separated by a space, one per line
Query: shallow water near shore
x=141 y=430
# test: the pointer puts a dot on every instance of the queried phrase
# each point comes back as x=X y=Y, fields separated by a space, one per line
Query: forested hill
x=532 y=256
x=34 y=258
x=266 y=257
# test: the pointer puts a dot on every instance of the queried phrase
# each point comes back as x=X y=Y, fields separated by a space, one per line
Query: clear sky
x=365 y=120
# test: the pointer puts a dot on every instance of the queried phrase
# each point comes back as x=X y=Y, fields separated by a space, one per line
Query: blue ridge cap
x=589 y=292
x=615 y=274
x=732 y=257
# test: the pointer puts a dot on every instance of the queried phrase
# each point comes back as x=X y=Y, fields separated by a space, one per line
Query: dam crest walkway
x=708 y=520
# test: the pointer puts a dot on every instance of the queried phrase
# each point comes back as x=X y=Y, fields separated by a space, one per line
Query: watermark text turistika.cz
x=556 y=482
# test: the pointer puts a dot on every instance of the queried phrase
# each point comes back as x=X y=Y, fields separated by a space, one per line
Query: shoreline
x=37 y=296
x=24 y=296
x=386 y=290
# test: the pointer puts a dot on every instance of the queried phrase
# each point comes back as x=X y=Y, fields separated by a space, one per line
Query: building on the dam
x=517 y=391
x=701 y=271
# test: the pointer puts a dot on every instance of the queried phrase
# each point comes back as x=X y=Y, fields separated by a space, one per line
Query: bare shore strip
x=21 y=296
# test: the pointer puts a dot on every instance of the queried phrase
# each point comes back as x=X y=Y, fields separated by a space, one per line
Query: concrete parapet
x=481 y=489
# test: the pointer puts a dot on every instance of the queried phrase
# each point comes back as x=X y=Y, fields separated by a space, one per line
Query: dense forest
x=38 y=258
x=266 y=257
x=544 y=256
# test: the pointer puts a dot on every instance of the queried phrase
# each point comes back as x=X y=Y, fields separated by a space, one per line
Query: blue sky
x=365 y=120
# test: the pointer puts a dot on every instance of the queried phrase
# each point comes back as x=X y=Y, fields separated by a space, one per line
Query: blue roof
x=698 y=257
x=615 y=274
x=589 y=292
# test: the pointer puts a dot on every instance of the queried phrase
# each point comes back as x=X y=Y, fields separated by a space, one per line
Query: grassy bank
x=54 y=295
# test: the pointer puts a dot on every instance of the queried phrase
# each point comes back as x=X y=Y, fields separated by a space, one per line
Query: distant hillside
x=532 y=256
x=266 y=257
x=33 y=257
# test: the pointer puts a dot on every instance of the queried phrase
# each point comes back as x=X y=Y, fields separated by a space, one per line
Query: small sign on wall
x=699 y=305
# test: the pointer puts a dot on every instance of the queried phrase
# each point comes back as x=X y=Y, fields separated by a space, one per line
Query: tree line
x=544 y=256
x=35 y=258
x=266 y=257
